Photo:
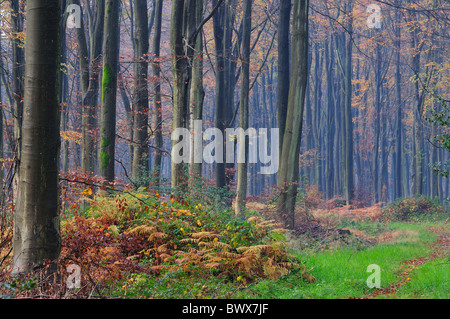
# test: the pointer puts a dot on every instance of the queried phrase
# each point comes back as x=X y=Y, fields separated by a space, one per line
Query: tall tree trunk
x=197 y=95
x=417 y=114
x=157 y=117
x=289 y=167
x=316 y=123
x=329 y=164
x=220 y=23
x=64 y=92
x=399 y=152
x=89 y=59
x=244 y=108
x=348 y=123
x=181 y=85
x=109 y=90
x=283 y=67
x=140 y=105
x=36 y=225
x=18 y=63
x=376 y=141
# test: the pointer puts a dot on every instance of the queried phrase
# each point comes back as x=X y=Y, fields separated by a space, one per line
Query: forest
x=224 y=149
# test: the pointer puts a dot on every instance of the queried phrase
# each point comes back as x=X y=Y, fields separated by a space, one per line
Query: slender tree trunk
x=36 y=224
x=141 y=96
x=197 y=96
x=376 y=141
x=109 y=90
x=316 y=132
x=348 y=123
x=399 y=153
x=329 y=164
x=289 y=164
x=157 y=118
x=64 y=92
x=244 y=107
x=220 y=22
x=18 y=67
x=283 y=67
x=90 y=60
x=181 y=85
x=417 y=112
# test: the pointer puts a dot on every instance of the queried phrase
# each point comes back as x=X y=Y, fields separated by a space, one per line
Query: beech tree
x=36 y=224
x=109 y=90
x=244 y=106
x=288 y=175
x=141 y=95
x=157 y=105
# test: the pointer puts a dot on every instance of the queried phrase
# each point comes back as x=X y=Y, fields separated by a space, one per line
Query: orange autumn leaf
x=87 y=192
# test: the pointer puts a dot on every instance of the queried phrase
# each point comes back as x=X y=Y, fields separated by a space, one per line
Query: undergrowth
x=144 y=237
x=417 y=208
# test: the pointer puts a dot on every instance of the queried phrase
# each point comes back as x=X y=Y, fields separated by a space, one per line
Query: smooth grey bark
x=283 y=67
x=348 y=123
x=329 y=164
x=197 y=94
x=36 y=224
x=244 y=106
x=220 y=24
x=289 y=167
x=64 y=90
x=181 y=78
x=141 y=95
x=90 y=68
x=376 y=141
x=109 y=90
x=18 y=67
x=398 y=176
x=157 y=117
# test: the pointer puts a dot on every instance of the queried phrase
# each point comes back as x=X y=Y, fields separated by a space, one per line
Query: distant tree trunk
x=109 y=90
x=220 y=22
x=417 y=114
x=157 y=117
x=64 y=92
x=316 y=123
x=289 y=167
x=337 y=136
x=244 y=107
x=283 y=67
x=399 y=152
x=181 y=85
x=89 y=59
x=348 y=123
x=329 y=164
x=140 y=105
x=36 y=225
x=18 y=62
x=376 y=141
x=197 y=95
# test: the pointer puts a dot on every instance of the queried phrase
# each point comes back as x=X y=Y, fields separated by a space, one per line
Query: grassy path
x=420 y=273
x=413 y=265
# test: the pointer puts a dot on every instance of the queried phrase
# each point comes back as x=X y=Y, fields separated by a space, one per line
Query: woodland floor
x=141 y=245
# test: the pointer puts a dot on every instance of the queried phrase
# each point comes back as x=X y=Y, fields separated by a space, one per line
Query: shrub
x=413 y=209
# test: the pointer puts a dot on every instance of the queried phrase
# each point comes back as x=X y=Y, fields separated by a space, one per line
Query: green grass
x=342 y=273
x=429 y=281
